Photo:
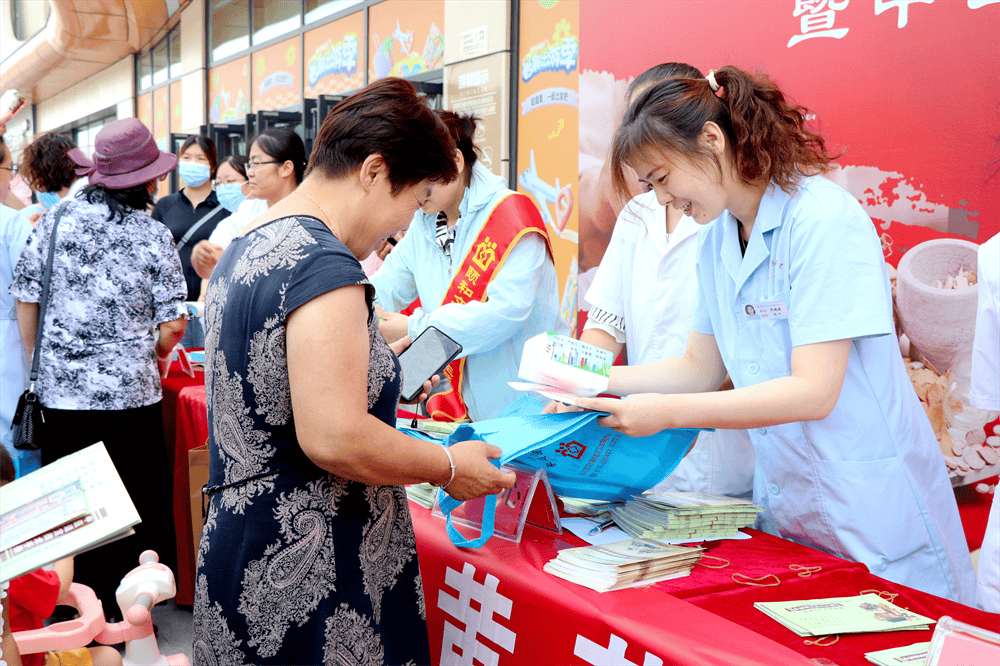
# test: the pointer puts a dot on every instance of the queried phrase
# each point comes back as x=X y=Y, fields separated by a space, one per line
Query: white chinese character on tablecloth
x=902 y=5
x=976 y=4
x=613 y=655
x=477 y=622
x=817 y=23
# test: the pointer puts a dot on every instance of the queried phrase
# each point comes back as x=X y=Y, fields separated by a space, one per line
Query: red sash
x=513 y=218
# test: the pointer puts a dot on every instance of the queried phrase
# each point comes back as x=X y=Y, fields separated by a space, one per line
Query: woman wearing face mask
x=231 y=184
x=48 y=170
x=14 y=232
x=191 y=215
x=277 y=162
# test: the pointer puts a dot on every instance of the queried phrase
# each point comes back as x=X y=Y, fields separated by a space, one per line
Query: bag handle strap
x=43 y=305
x=449 y=504
x=196 y=226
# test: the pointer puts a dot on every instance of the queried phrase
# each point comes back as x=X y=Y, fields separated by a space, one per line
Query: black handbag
x=29 y=417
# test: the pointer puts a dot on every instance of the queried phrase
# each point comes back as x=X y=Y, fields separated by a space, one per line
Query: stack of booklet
x=422 y=494
x=908 y=655
x=588 y=507
x=843 y=615
x=630 y=563
x=684 y=516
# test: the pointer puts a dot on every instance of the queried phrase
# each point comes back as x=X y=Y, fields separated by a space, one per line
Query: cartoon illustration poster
x=176 y=106
x=144 y=109
x=915 y=128
x=277 y=76
x=547 y=127
x=228 y=92
x=407 y=38
x=334 y=55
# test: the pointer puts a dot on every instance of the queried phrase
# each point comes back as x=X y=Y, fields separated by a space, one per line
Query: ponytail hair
x=462 y=128
x=767 y=137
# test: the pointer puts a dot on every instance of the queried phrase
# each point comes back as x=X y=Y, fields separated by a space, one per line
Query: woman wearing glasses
x=277 y=162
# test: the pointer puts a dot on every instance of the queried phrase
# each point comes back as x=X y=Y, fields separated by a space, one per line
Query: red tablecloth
x=185 y=426
x=706 y=618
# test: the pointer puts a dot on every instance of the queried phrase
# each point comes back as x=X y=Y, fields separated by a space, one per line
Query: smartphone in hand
x=426 y=356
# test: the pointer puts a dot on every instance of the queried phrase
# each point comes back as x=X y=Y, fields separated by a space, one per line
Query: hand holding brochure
x=73 y=504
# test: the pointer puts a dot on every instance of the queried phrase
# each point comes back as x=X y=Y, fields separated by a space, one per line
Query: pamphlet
x=843 y=615
x=908 y=655
x=71 y=505
x=684 y=515
x=573 y=368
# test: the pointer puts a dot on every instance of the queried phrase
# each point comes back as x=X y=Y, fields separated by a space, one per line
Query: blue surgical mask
x=48 y=199
x=230 y=195
x=193 y=173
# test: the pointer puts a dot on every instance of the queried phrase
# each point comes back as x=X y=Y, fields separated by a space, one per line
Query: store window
x=317 y=9
x=161 y=65
x=85 y=134
x=274 y=18
x=230 y=27
x=174 y=38
x=145 y=70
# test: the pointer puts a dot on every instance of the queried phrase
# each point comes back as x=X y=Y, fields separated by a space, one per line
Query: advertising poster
x=915 y=127
x=334 y=57
x=277 y=76
x=547 y=130
x=161 y=117
x=407 y=38
x=144 y=109
x=480 y=87
x=176 y=106
x=229 y=92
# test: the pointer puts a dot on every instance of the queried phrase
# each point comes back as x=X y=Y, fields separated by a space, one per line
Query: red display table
x=497 y=603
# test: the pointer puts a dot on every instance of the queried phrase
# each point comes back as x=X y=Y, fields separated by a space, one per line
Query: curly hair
x=46 y=166
x=767 y=137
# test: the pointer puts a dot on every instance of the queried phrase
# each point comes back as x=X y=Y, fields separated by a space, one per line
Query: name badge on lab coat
x=769 y=310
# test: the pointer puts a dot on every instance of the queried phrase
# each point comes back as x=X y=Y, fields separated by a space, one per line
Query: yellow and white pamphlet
x=843 y=615
x=71 y=505
x=908 y=655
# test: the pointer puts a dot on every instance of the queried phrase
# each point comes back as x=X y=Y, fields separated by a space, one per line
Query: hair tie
x=712 y=83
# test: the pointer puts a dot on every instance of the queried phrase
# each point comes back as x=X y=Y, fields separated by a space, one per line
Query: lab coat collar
x=769 y=217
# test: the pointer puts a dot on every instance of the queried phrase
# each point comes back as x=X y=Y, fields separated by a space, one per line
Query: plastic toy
x=140 y=589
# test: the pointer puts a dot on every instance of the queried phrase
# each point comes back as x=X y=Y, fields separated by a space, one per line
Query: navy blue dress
x=296 y=565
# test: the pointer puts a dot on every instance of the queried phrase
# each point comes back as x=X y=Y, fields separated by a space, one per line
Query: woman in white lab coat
x=846 y=459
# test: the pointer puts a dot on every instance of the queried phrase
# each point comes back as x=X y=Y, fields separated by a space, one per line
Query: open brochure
x=843 y=615
x=71 y=505
x=562 y=368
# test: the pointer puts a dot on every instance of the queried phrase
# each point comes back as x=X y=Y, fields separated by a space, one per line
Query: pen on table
x=602 y=526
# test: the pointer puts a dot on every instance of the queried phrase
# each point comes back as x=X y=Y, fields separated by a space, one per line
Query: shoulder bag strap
x=197 y=225
x=43 y=305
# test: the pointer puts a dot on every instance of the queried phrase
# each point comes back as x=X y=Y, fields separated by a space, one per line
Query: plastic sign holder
x=956 y=643
x=531 y=501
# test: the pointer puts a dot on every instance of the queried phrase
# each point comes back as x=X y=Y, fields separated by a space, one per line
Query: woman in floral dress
x=308 y=554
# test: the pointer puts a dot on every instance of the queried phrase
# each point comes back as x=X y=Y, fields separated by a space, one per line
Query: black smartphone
x=426 y=356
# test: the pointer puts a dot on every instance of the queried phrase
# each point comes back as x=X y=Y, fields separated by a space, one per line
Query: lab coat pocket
x=872 y=511
x=774 y=339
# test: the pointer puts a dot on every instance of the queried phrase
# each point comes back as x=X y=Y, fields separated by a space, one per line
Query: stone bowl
x=940 y=323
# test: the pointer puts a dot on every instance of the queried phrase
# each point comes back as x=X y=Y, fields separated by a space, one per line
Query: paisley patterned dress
x=296 y=565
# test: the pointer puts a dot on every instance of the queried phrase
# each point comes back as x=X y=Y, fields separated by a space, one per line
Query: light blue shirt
x=521 y=301
x=14 y=365
x=866 y=483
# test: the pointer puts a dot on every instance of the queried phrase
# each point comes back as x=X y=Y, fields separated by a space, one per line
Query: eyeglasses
x=253 y=166
x=12 y=169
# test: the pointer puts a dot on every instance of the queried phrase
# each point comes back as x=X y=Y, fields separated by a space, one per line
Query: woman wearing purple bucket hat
x=116 y=279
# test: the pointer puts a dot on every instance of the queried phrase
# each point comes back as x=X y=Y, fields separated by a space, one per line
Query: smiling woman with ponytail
x=794 y=304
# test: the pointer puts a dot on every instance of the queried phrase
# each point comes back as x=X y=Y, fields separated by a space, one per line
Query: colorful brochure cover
x=843 y=615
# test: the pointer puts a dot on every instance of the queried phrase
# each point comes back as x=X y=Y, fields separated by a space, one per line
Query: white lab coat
x=985 y=394
x=230 y=227
x=867 y=482
x=650 y=281
x=14 y=364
